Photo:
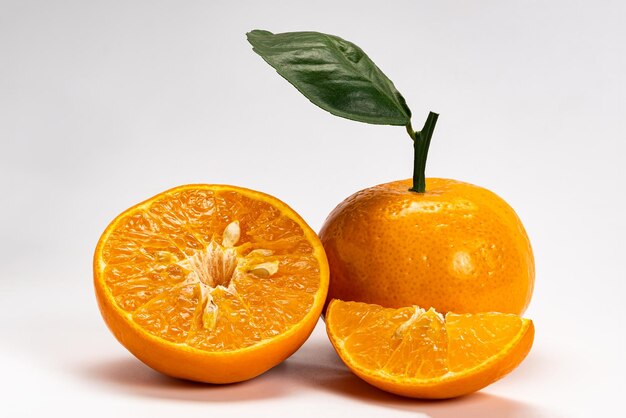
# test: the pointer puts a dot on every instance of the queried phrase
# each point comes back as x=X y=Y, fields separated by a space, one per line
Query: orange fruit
x=210 y=283
x=457 y=247
x=422 y=354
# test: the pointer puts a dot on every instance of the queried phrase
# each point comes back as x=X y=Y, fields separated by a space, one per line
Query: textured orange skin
x=181 y=361
x=451 y=386
x=457 y=247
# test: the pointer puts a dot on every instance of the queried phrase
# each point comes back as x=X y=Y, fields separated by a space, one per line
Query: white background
x=106 y=103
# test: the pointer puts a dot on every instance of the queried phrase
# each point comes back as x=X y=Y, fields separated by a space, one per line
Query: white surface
x=103 y=104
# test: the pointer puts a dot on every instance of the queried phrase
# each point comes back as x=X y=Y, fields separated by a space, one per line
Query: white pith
x=219 y=265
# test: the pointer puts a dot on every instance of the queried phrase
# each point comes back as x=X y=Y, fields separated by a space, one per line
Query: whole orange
x=456 y=247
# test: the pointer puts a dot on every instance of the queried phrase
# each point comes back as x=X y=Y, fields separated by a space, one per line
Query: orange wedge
x=422 y=354
x=210 y=283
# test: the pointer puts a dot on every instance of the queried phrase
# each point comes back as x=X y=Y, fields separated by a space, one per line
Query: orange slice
x=422 y=354
x=211 y=283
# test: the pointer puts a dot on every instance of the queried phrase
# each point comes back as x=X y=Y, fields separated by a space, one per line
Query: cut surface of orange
x=211 y=283
x=422 y=354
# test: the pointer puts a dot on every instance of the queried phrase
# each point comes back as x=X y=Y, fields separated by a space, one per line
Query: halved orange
x=422 y=354
x=210 y=283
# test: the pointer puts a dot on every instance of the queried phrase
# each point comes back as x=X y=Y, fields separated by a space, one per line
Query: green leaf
x=334 y=74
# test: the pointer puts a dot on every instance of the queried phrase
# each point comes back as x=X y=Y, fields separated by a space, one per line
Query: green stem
x=410 y=130
x=421 y=143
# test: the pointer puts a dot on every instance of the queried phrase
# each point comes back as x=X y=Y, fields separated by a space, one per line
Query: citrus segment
x=210 y=270
x=417 y=353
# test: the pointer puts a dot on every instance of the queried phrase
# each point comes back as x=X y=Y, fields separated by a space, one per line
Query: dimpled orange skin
x=457 y=247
